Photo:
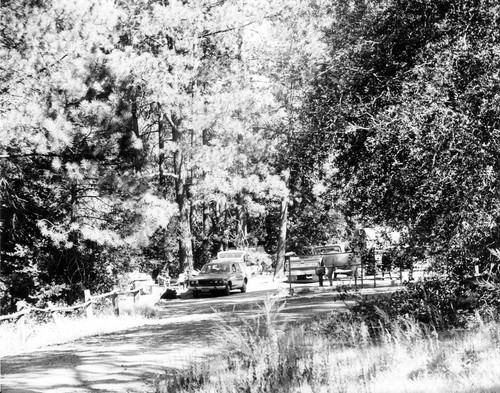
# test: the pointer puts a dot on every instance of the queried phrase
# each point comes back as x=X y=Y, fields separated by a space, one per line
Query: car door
x=238 y=275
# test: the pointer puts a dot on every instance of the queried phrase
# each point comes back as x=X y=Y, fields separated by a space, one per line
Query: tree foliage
x=146 y=132
x=298 y=51
x=408 y=107
x=126 y=125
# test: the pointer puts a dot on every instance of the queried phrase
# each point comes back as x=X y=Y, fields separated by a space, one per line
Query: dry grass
x=263 y=357
x=42 y=330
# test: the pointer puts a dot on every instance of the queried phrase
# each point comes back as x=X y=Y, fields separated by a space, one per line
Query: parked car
x=220 y=276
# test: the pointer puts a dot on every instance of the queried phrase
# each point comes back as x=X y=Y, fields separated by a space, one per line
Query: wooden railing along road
x=23 y=309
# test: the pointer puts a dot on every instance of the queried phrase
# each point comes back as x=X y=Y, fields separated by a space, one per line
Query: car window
x=325 y=250
x=215 y=268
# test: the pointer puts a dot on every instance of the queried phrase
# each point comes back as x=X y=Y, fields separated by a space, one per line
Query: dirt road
x=129 y=360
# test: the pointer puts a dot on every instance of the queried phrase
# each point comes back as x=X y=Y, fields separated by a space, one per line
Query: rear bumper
x=336 y=270
x=302 y=278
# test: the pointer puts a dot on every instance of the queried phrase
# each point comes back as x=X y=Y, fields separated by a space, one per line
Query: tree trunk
x=182 y=199
x=280 y=253
x=241 y=219
x=205 y=218
x=161 y=158
x=135 y=128
x=184 y=239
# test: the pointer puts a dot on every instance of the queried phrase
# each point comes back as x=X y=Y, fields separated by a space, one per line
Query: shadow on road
x=213 y=302
x=129 y=360
x=119 y=362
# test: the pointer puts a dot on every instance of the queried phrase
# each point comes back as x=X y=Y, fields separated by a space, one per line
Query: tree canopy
x=140 y=133
x=408 y=107
x=125 y=121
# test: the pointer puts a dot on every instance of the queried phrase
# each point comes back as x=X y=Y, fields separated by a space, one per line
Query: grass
x=263 y=356
x=42 y=330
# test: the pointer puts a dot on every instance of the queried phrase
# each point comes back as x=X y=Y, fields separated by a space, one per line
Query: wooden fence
x=23 y=309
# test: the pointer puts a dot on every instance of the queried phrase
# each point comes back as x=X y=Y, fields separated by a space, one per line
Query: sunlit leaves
x=416 y=132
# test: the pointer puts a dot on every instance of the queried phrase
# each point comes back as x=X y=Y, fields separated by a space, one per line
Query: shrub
x=264 y=356
x=440 y=303
x=259 y=356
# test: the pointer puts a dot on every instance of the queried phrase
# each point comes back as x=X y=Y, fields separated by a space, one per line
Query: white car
x=220 y=276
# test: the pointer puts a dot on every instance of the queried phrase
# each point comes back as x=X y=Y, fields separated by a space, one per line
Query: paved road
x=129 y=360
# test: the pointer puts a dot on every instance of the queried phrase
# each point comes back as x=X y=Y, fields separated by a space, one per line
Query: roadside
x=150 y=308
x=129 y=360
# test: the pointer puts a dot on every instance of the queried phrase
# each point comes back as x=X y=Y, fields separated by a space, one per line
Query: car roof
x=218 y=262
x=231 y=253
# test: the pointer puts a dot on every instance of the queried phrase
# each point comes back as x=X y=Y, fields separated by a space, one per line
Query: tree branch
x=211 y=33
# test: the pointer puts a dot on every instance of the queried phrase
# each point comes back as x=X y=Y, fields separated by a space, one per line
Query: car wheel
x=196 y=293
x=244 y=287
x=227 y=289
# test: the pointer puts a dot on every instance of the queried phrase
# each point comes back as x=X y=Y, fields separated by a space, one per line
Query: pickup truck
x=337 y=258
x=302 y=267
x=364 y=257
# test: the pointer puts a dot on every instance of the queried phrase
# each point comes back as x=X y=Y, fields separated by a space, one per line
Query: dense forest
x=138 y=132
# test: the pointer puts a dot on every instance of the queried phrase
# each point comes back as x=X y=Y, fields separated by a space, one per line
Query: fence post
x=362 y=271
x=55 y=317
x=137 y=295
x=88 y=308
x=114 y=301
x=21 y=322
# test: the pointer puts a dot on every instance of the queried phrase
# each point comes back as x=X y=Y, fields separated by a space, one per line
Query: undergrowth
x=343 y=353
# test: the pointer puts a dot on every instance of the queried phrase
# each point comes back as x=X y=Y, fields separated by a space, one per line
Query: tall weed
x=342 y=354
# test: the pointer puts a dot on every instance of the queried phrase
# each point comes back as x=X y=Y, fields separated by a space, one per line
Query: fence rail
x=23 y=309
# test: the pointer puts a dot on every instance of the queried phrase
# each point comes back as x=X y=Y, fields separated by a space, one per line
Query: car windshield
x=325 y=250
x=215 y=268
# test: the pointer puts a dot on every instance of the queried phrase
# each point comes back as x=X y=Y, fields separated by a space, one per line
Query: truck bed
x=303 y=267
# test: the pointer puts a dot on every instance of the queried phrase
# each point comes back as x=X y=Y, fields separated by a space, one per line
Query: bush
x=262 y=355
x=259 y=356
x=433 y=302
x=441 y=303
